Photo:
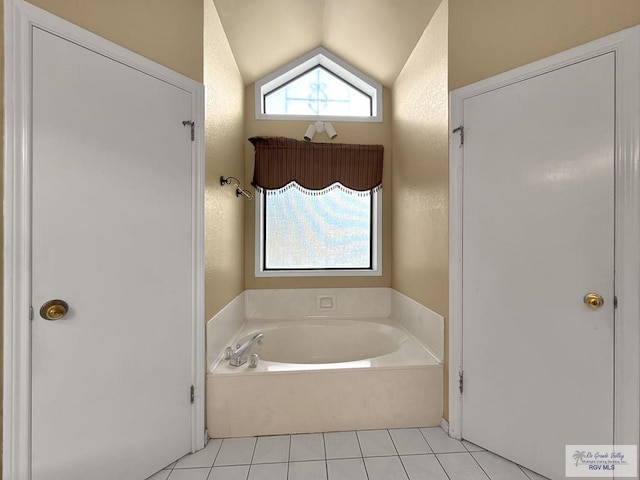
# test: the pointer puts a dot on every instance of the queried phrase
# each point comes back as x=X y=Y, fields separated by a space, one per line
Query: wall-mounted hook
x=236 y=183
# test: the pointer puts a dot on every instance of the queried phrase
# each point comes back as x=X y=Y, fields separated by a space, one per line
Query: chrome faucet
x=240 y=355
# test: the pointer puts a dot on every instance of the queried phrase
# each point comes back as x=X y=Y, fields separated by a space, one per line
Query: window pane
x=330 y=230
x=318 y=92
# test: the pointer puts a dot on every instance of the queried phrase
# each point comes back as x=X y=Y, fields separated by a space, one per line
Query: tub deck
x=399 y=389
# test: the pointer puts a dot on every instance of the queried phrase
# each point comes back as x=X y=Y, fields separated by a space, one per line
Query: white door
x=112 y=237
x=538 y=235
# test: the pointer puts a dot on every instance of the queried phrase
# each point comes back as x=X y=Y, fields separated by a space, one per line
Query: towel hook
x=239 y=190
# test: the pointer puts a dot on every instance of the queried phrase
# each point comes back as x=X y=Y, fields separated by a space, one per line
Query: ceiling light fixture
x=320 y=127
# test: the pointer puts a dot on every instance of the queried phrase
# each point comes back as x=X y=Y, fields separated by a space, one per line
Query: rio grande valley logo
x=618 y=461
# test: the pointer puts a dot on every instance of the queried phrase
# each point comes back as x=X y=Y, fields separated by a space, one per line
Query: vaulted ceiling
x=375 y=36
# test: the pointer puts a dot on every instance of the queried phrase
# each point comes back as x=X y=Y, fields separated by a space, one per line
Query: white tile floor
x=401 y=454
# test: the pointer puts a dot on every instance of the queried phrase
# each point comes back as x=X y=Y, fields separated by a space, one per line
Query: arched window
x=319 y=86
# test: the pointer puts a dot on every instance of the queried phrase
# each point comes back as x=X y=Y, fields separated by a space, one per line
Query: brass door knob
x=593 y=300
x=54 y=309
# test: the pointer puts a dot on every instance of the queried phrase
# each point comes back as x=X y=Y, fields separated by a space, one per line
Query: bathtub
x=324 y=375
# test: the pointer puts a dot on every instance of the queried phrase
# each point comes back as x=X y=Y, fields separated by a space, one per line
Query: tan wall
x=224 y=134
x=167 y=32
x=420 y=267
x=487 y=37
x=348 y=132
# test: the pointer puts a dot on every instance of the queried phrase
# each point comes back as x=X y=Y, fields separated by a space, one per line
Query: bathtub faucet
x=240 y=355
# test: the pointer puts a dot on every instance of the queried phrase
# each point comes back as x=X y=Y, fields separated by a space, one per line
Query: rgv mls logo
x=617 y=461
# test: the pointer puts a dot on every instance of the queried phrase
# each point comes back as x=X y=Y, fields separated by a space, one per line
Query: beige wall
x=348 y=132
x=487 y=37
x=224 y=134
x=420 y=173
x=167 y=32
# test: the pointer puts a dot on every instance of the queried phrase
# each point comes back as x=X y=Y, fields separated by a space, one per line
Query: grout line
x=309 y=460
x=525 y=473
x=252 y=455
x=454 y=453
x=397 y=453
x=418 y=454
x=440 y=463
x=524 y=470
x=255 y=445
x=324 y=448
x=393 y=443
x=472 y=451
x=366 y=470
x=375 y=456
x=404 y=469
x=481 y=468
x=359 y=445
x=428 y=444
x=217 y=453
x=326 y=460
x=290 y=444
x=185 y=468
x=214 y=461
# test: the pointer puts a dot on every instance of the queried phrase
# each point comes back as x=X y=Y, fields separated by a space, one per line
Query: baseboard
x=444 y=425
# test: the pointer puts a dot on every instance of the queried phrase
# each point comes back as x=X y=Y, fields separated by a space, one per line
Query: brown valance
x=315 y=166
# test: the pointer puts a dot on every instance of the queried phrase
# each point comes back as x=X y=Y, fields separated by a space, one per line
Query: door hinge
x=31 y=313
x=192 y=394
x=193 y=127
x=461 y=130
x=460 y=381
x=615 y=301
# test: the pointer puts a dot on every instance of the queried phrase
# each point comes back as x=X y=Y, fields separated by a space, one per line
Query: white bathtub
x=325 y=375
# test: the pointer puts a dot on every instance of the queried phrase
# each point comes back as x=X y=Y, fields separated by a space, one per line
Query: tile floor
x=400 y=454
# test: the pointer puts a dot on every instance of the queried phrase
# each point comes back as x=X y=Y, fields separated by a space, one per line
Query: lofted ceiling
x=375 y=36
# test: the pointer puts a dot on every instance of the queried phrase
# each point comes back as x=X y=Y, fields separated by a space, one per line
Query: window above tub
x=302 y=233
x=318 y=86
x=318 y=208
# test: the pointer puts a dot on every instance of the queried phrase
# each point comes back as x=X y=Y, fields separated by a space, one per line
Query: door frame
x=626 y=46
x=19 y=18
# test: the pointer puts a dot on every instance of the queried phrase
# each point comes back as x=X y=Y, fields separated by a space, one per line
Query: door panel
x=112 y=236
x=538 y=234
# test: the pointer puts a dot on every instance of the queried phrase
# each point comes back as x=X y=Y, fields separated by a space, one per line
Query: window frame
x=376 y=246
x=329 y=72
x=338 y=67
